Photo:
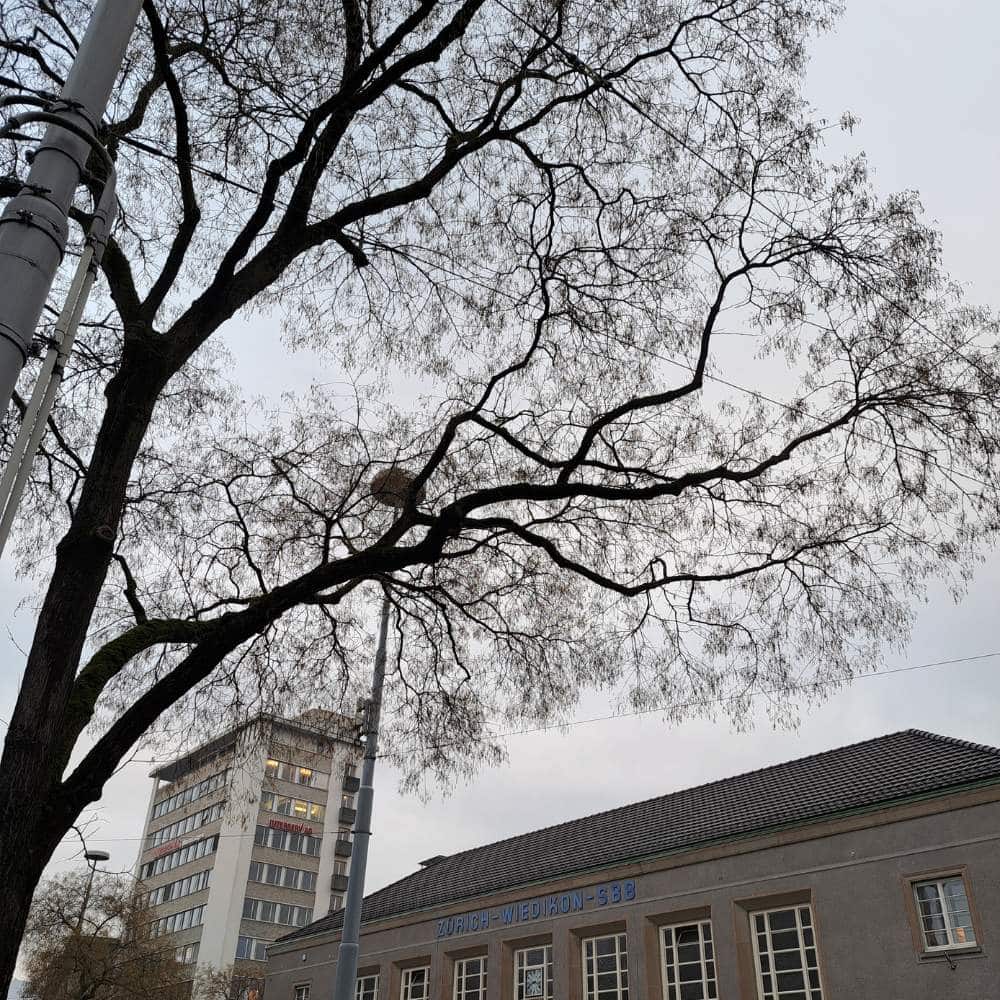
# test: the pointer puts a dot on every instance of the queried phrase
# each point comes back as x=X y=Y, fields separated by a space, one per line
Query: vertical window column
x=533 y=973
x=785 y=954
x=605 y=968
x=689 y=962
x=470 y=979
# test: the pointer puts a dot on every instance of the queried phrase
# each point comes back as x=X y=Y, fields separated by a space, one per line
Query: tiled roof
x=860 y=776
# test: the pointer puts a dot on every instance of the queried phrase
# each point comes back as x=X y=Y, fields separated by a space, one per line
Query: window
x=299 y=808
x=186 y=825
x=785 y=954
x=416 y=984
x=189 y=852
x=367 y=988
x=268 y=912
x=295 y=773
x=470 y=979
x=252 y=949
x=944 y=914
x=533 y=973
x=688 y=962
x=177 y=921
x=285 y=840
x=605 y=968
x=187 y=954
x=182 y=887
x=302 y=992
x=178 y=799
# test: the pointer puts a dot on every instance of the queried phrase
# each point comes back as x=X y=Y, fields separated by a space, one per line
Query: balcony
x=347 y=816
x=338 y=883
x=351 y=784
x=342 y=848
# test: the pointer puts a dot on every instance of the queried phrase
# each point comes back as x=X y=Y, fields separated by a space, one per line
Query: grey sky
x=922 y=77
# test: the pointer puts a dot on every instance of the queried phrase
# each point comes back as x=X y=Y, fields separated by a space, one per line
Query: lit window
x=533 y=973
x=605 y=962
x=367 y=988
x=945 y=918
x=416 y=984
x=688 y=962
x=271 y=768
x=785 y=953
x=305 y=776
x=470 y=979
x=300 y=808
x=302 y=992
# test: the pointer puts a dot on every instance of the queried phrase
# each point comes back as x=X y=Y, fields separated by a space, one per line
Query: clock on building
x=533 y=983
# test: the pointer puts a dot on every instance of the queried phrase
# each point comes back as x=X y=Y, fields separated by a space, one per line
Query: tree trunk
x=28 y=839
x=43 y=732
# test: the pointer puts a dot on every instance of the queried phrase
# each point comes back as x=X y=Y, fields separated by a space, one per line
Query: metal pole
x=86 y=897
x=347 y=954
x=33 y=423
x=34 y=225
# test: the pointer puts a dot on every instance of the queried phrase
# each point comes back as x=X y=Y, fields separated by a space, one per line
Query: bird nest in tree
x=392 y=487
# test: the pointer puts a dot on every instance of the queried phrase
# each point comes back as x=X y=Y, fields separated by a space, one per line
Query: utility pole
x=34 y=226
x=347 y=954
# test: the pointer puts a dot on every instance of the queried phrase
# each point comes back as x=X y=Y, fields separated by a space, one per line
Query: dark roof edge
x=696 y=845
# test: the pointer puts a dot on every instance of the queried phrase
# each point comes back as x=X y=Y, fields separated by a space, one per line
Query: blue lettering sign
x=527 y=910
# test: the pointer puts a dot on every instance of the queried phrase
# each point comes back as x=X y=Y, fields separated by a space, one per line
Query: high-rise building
x=249 y=836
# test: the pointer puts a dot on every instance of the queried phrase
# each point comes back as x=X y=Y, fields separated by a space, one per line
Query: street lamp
x=391 y=488
x=93 y=859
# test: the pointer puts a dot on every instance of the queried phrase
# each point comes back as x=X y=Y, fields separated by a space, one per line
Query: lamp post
x=392 y=489
x=93 y=858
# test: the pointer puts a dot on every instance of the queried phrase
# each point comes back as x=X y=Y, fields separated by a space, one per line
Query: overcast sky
x=922 y=78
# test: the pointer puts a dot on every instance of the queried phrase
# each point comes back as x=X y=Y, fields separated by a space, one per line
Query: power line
x=698 y=703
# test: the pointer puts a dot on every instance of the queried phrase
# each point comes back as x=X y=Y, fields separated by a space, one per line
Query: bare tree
x=92 y=942
x=692 y=411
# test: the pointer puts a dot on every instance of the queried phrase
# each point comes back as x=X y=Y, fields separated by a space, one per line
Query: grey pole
x=92 y=859
x=347 y=954
x=34 y=226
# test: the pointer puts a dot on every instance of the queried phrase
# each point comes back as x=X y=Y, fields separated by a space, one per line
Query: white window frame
x=706 y=959
x=301 y=991
x=621 y=962
x=811 y=992
x=406 y=983
x=460 y=990
x=367 y=986
x=521 y=967
x=950 y=928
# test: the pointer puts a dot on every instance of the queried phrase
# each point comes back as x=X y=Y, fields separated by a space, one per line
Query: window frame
x=297 y=995
x=359 y=992
x=458 y=972
x=620 y=938
x=710 y=983
x=405 y=984
x=547 y=967
x=765 y=911
x=941 y=952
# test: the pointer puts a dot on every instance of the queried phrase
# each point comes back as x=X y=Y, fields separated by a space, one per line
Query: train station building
x=871 y=872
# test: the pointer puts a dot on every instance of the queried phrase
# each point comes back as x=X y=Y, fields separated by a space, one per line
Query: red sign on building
x=280 y=824
x=170 y=845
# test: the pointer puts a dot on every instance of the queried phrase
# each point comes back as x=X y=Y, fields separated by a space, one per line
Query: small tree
x=92 y=943
x=550 y=217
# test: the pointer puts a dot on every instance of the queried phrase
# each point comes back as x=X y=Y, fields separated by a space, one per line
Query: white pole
x=34 y=225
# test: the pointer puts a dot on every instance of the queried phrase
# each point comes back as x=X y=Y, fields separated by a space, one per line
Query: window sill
x=955 y=954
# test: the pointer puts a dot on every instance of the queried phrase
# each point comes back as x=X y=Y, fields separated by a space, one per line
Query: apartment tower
x=249 y=836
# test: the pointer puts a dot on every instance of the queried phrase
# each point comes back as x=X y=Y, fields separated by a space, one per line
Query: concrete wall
x=854 y=873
